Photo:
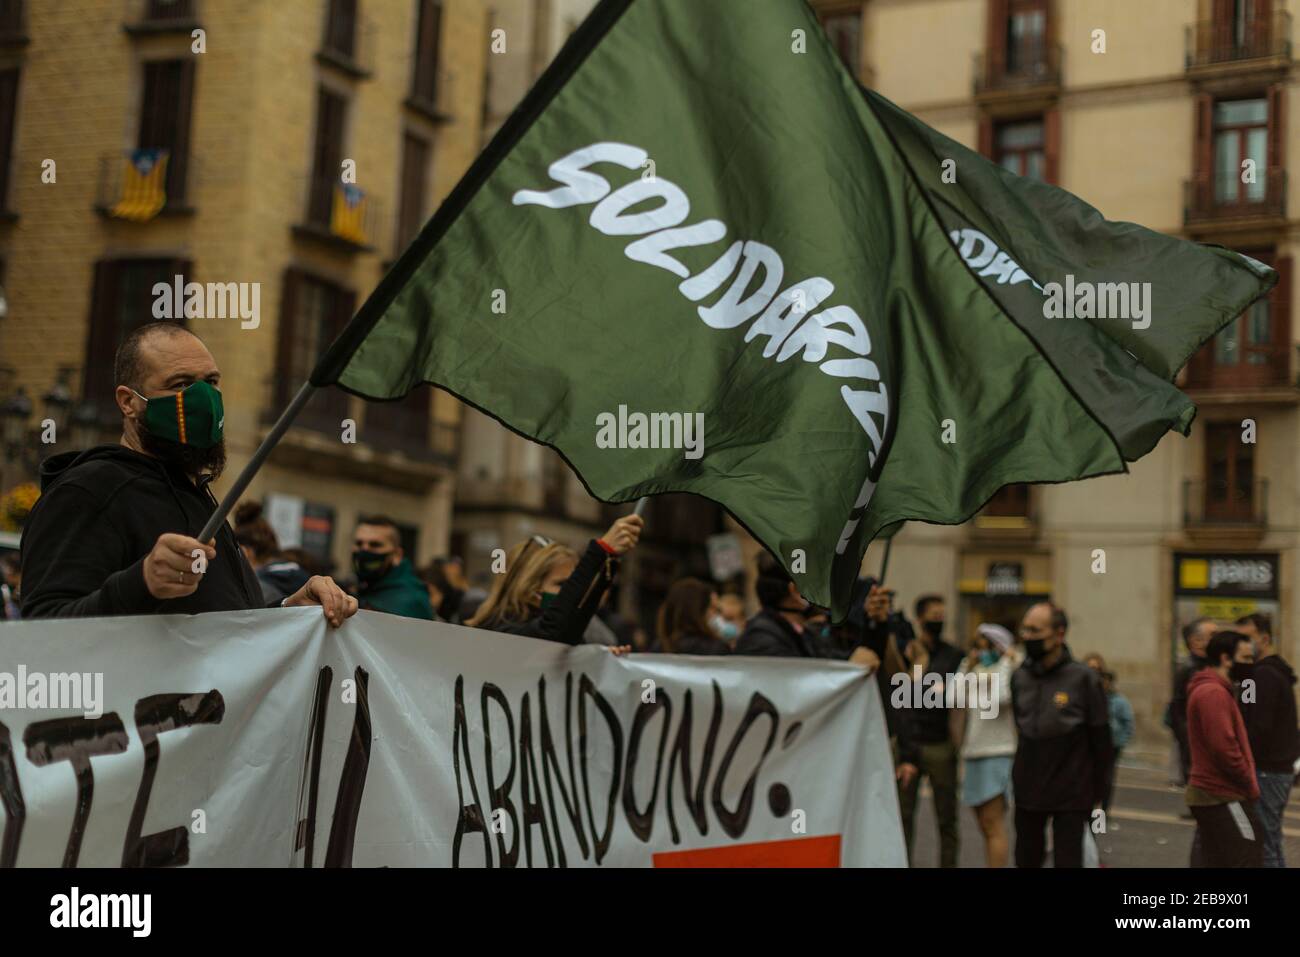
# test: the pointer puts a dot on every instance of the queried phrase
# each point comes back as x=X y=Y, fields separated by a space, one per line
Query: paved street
x=1144 y=827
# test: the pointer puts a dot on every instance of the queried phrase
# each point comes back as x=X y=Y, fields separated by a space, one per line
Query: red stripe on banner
x=799 y=852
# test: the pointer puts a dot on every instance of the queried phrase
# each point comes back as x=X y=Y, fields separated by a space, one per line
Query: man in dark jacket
x=1064 y=749
x=1270 y=715
x=779 y=629
x=933 y=662
x=1195 y=636
x=1222 y=789
x=113 y=531
x=386 y=581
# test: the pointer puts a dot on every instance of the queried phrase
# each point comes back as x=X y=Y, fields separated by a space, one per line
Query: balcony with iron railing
x=343 y=215
x=1212 y=508
x=133 y=187
x=160 y=16
x=1258 y=41
x=1026 y=68
x=1223 y=198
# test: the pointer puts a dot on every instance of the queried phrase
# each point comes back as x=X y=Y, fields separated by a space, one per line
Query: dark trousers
x=1109 y=788
x=1067 y=837
x=938 y=762
x=1230 y=835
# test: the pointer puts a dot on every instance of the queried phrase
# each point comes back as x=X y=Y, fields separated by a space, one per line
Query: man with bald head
x=1064 y=749
x=113 y=532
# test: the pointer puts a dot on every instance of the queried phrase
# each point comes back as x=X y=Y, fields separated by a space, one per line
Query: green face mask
x=194 y=416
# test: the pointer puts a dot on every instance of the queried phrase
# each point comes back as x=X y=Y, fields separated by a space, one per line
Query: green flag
x=700 y=258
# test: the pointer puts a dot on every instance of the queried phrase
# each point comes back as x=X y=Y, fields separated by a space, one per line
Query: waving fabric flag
x=144 y=185
x=698 y=213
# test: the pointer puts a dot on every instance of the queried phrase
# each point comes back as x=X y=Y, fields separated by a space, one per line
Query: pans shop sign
x=1244 y=575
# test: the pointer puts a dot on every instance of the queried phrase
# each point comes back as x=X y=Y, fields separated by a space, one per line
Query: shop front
x=999 y=588
x=1223 y=586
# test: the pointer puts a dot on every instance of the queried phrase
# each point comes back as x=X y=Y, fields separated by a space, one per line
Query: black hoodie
x=1271 y=717
x=100 y=513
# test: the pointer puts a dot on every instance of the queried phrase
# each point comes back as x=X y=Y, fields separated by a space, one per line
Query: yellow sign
x=1194 y=573
x=1225 y=609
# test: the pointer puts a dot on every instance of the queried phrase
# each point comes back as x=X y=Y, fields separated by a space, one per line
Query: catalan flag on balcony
x=348 y=214
x=144 y=186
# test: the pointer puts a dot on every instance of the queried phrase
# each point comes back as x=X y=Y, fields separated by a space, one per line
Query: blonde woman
x=549 y=591
x=989 y=744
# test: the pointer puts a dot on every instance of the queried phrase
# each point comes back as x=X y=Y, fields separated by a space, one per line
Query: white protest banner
x=261 y=738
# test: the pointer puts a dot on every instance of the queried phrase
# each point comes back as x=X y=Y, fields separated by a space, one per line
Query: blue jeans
x=1274 y=789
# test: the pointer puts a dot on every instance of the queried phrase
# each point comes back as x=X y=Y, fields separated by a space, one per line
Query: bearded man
x=113 y=532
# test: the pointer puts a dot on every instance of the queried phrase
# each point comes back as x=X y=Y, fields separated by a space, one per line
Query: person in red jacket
x=1221 y=786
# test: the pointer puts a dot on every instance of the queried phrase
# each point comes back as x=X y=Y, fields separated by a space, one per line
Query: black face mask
x=190 y=459
x=370 y=566
x=450 y=602
x=934 y=629
x=1036 y=648
x=1241 y=671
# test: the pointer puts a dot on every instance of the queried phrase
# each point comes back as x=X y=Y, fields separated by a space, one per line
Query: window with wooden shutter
x=122 y=298
x=13 y=22
x=1276 y=171
x=8 y=110
x=1021 y=147
x=428 y=36
x=1229 y=474
x=341 y=28
x=1010 y=501
x=415 y=180
x=1254 y=350
x=1052 y=146
x=313 y=312
x=402 y=424
x=170 y=10
x=165 y=109
x=996 y=40
x=327 y=156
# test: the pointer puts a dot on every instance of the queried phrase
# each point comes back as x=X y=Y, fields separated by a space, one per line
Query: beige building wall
x=1126 y=146
x=252 y=133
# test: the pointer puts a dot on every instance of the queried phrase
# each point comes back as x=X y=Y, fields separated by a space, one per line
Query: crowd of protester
x=114 y=531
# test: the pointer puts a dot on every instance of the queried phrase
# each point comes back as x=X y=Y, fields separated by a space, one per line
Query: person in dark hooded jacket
x=1270 y=716
x=113 y=532
x=279 y=577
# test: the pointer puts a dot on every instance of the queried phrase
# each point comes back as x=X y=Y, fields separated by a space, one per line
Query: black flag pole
x=884 y=564
x=246 y=475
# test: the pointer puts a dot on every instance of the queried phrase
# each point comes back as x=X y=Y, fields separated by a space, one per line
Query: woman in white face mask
x=690 y=621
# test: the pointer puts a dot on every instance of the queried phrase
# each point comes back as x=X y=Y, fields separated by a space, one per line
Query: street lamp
x=85 y=425
x=15 y=412
x=58 y=401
